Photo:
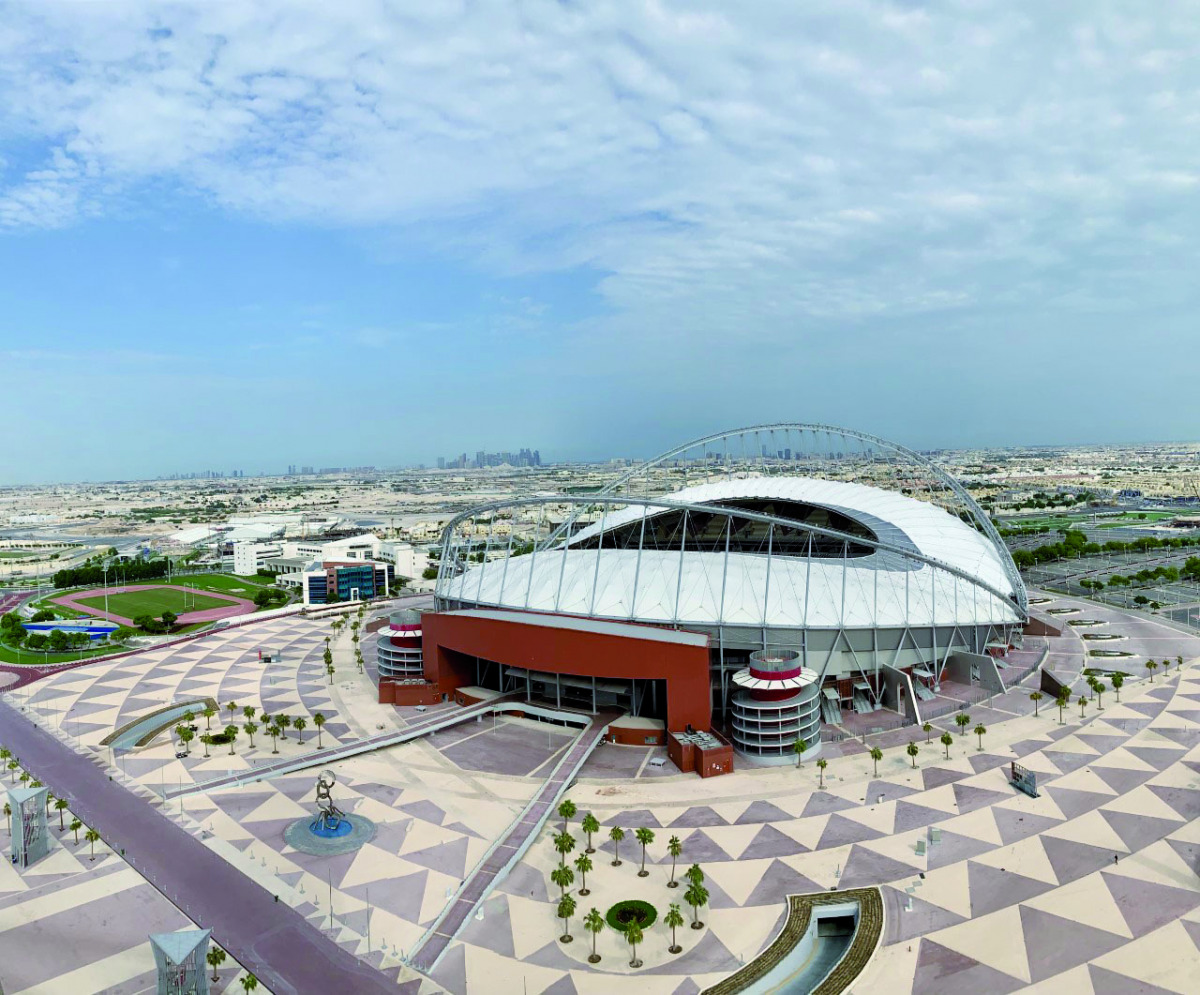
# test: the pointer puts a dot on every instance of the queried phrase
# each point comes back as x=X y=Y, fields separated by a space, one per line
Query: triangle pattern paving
x=1146 y=905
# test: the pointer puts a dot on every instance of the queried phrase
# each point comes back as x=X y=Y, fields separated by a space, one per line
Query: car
x=180 y=754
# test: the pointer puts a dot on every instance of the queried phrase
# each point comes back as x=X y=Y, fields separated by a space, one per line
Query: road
x=266 y=937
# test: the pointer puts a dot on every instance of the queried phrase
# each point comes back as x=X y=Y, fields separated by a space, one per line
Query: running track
x=268 y=938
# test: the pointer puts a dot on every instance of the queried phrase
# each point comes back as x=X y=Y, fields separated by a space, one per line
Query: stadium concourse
x=1092 y=887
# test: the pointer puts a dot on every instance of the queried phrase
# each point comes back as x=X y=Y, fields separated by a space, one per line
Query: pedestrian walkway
x=510 y=848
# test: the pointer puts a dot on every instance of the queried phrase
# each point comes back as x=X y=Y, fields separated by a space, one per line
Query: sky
x=245 y=235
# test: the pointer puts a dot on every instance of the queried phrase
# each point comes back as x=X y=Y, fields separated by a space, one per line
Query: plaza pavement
x=1018 y=893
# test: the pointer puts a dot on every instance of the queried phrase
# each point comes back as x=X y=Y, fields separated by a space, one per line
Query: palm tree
x=566 y=909
x=232 y=733
x=979 y=730
x=1082 y=704
x=673 y=919
x=590 y=825
x=616 y=834
x=583 y=864
x=251 y=728
x=185 y=735
x=697 y=897
x=249 y=983
x=800 y=746
x=208 y=714
x=206 y=739
x=61 y=805
x=645 y=837
x=912 y=750
x=947 y=739
x=249 y=712
x=49 y=802
x=8 y=816
x=927 y=728
x=284 y=722
x=633 y=936
x=821 y=765
x=266 y=719
x=1117 y=681
x=1035 y=697
x=674 y=848
x=358 y=659
x=564 y=843
x=319 y=722
x=232 y=708
x=76 y=825
x=694 y=874
x=566 y=811
x=215 y=958
x=876 y=756
x=1151 y=666
x=330 y=669
x=24 y=778
x=12 y=766
x=5 y=754
x=593 y=922
x=1099 y=687
x=301 y=724
x=563 y=876
x=91 y=836
x=962 y=720
x=1064 y=699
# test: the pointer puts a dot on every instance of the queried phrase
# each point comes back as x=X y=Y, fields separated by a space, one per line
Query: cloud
x=719 y=168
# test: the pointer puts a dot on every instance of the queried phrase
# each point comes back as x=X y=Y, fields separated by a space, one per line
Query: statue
x=330 y=819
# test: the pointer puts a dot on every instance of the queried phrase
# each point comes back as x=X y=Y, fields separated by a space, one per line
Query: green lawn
x=34 y=657
x=153 y=602
x=243 y=587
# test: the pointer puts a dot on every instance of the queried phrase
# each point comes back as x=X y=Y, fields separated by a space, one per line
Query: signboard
x=1024 y=779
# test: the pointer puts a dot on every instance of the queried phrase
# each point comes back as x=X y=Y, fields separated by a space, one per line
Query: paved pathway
x=268 y=938
x=511 y=847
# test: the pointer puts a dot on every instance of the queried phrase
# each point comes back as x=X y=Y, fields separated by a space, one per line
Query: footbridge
x=441 y=719
x=511 y=847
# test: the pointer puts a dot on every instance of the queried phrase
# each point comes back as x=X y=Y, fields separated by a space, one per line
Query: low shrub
x=622 y=915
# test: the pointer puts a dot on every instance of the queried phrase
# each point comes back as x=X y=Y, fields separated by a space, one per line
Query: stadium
x=759 y=585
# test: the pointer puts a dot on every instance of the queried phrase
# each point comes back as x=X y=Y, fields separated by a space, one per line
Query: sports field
x=154 y=602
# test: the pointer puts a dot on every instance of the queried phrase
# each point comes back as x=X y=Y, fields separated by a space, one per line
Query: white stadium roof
x=881 y=589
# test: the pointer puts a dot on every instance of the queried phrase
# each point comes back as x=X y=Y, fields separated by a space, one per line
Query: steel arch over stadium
x=856 y=579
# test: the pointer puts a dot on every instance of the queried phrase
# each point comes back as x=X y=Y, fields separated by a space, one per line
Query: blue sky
x=594 y=229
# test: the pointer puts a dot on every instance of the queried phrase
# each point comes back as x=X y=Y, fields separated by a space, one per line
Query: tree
x=563 y=876
x=583 y=864
x=1151 y=666
x=821 y=765
x=251 y=728
x=962 y=720
x=800 y=746
x=185 y=735
x=912 y=750
x=674 y=848
x=616 y=834
x=284 y=722
x=564 y=843
x=215 y=958
x=1063 y=700
x=697 y=897
x=248 y=713
x=301 y=724
x=169 y=619
x=330 y=670
x=232 y=708
x=876 y=756
x=1082 y=704
x=249 y=983
x=590 y=825
x=1118 y=680
x=208 y=714
x=979 y=731
x=319 y=722
x=593 y=922
x=274 y=732
x=566 y=811
x=231 y=733
x=645 y=837
x=1035 y=697
x=76 y=825
x=694 y=874
x=328 y=658
x=8 y=816
x=634 y=936
x=566 y=909
x=927 y=728
x=672 y=920
x=92 y=836
x=1099 y=687
x=206 y=739
x=947 y=739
